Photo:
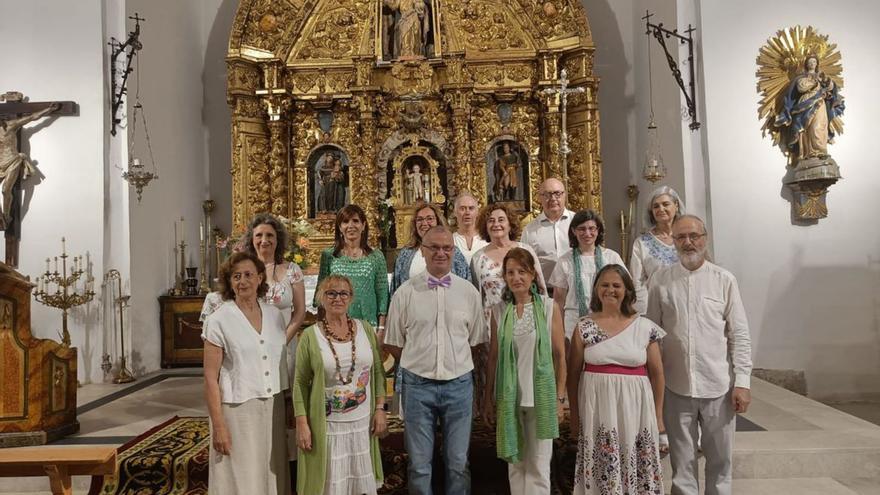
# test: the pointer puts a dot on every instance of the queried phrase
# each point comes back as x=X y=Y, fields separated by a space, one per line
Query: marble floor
x=788 y=444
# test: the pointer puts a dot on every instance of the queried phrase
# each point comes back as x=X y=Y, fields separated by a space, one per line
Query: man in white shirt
x=548 y=233
x=707 y=359
x=434 y=322
x=466 y=236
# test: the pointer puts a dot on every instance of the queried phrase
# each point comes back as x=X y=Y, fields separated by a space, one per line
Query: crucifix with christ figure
x=563 y=91
x=16 y=166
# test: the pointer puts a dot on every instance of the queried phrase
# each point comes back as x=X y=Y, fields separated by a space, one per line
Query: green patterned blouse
x=369 y=276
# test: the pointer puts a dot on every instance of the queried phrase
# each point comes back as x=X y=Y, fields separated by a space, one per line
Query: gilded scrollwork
x=496 y=58
x=336 y=32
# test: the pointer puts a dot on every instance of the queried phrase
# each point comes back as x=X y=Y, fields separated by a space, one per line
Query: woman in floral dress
x=654 y=249
x=616 y=375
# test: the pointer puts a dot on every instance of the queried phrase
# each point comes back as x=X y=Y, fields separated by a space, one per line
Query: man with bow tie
x=434 y=322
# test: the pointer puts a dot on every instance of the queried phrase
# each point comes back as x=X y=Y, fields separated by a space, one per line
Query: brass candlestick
x=65 y=295
x=626 y=221
x=204 y=252
x=123 y=375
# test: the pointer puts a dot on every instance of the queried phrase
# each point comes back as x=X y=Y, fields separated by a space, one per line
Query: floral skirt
x=618 y=442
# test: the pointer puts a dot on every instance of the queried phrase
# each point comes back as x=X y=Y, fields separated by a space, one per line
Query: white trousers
x=531 y=476
x=686 y=418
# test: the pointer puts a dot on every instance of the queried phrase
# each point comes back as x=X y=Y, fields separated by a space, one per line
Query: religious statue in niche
x=407 y=31
x=417 y=181
x=799 y=77
x=506 y=177
x=329 y=171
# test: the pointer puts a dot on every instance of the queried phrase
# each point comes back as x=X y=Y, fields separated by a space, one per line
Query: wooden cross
x=15 y=113
x=563 y=91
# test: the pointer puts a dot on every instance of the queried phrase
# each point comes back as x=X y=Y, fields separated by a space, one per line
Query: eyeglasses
x=244 y=275
x=693 y=237
x=553 y=194
x=434 y=248
x=583 y=229
x=337 y=294
x=431 y=218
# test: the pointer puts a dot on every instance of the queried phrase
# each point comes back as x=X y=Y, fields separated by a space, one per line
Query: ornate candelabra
x=66 y=294
x=123 y=375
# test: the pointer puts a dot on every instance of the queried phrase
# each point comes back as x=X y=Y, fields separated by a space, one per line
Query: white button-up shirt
x=436 y=327
x=707 y=341
x=254 y=364
x=477 y=243
x=548 y=239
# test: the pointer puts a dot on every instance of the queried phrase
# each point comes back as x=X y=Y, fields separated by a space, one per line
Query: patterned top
x=368 y=275
x=649 y=254
x=487 y=278
x=280 y=295
x=631 y=343
x=347 y=402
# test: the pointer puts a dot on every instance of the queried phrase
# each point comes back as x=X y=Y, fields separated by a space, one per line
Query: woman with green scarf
x=526 y=374
x=574 y=273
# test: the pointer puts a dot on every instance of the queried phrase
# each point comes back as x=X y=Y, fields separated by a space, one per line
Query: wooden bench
x=58 y=462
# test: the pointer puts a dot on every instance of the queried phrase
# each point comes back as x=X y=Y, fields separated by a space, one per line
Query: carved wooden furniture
x=181 y=330
x=37 y=376
x=58 y=463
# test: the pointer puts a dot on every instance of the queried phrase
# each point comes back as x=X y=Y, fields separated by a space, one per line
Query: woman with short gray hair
x=654 y=249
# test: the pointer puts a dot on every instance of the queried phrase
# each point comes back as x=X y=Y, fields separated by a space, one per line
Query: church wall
x=55 y=53
x=173 y=94
x=812 y=293
x=621 y=62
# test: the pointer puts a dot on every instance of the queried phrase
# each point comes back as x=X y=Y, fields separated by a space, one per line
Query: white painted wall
x=621 y=62
x=55 y=53
x=172 y=91
x=812 y=292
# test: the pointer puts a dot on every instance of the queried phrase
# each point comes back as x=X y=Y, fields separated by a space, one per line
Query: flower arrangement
x=298 y=231
x=385 y=217
x=226 y=245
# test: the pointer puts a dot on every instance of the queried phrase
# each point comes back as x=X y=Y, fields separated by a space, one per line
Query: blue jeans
x=424 y=402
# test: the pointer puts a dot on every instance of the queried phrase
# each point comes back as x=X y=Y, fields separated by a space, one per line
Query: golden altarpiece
x=365 y=101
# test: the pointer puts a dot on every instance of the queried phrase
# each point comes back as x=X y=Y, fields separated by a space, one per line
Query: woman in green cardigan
x=338 y=399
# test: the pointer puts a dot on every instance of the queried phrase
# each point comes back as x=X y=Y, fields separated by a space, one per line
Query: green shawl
x=508 y=434
x=583 y=303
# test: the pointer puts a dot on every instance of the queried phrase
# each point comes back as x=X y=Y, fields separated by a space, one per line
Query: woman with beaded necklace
x=339 y=399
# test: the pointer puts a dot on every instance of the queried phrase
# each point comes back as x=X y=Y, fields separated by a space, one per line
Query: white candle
x=201 y=232
x=182 y=230
x=56 y=264
x=62 y=246
x=175 y=233
x=47 y=265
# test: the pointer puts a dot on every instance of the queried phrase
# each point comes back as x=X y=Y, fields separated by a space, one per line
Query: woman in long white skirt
x=616 y=374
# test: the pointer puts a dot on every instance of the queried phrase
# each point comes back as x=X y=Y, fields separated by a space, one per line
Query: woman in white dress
x=339 y=398
x=245 y=368
x=654 y=249
x=616 y=374
x=526 y=376
x=573 y=277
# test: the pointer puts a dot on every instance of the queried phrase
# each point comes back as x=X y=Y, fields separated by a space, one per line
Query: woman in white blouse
x=245 y=368
x=654 y=249
x=573 y=276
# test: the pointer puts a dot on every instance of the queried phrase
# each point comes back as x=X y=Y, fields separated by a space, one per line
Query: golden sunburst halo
x=781 y=59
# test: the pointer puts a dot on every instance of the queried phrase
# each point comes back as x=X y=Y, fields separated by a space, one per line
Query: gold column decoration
x=363 y=167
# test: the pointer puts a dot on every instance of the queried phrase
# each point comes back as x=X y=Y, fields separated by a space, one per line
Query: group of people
x=513 y=326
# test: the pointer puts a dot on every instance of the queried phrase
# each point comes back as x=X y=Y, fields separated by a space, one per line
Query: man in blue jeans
x=434 y=322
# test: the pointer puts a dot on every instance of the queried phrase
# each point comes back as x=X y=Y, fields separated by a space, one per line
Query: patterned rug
x=172 y=459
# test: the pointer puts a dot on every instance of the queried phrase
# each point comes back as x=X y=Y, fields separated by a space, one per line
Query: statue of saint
x=508 y=163
x=810 y=104
x=416 y=183
x=411 y=28
x=15 y=165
